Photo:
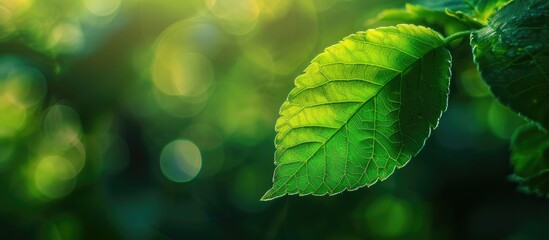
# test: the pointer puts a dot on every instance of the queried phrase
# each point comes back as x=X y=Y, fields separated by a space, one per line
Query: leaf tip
x=271 y=194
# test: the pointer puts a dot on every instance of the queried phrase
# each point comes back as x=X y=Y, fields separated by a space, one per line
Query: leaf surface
x=362 y=108
x=450 y=16
x=512 y=54
x=420 y=15
x=530 y=159
x=475 y=8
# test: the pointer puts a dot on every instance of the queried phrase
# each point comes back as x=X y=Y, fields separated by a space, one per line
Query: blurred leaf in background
x=530 y=158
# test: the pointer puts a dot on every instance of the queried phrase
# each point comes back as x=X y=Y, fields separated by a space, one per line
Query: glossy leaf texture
x=462 y=5
x=478 y=9
x=512 y=54
x=530 y=159
x=362 y=108
x=417 y=14
x=450 y=16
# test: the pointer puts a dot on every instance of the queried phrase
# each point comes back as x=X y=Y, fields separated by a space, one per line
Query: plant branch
x=457 y=35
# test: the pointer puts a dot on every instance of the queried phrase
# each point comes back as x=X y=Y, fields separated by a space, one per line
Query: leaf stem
x=457 y=35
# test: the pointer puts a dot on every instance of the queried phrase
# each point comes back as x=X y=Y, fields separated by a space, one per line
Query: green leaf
x=451 y=16
x=512 y=54
x=454 y=5
x=462 y=5
x=363 y=107
x=483 y=9
x=530 y=159
x=478 y=9
x=417 y=14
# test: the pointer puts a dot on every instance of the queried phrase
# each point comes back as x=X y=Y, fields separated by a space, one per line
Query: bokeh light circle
x=22 y=89
x=195 y=35
x=180 y=161
x=102 y=7
x=66 y=37
x=54 y=176
x=274 y=9
x=180 y=107
x=22 y=82
x=62 y=125
x=182 y=73
x=76 y=155
x=181 y=64
x=13 y=117
x=17 y=6
x=61 y=226
x=237 y=17
x=389 y=217
x=277 y=41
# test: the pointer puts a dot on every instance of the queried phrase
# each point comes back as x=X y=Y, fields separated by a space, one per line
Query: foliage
x=361 y=109
x=530 y=159
x=367 y=104
x=153 y=119
x=513 y=56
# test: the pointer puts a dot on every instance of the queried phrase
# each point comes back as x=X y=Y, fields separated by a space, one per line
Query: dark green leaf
x=530 y=159
x=417 y=14
x=455 y=5
x=451 y=16
x=479 y=10
x=473 y=7
x=361 y=109
x=512 y=53
x=483 y=9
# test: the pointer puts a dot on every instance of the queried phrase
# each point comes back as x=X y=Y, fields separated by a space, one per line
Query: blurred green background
x=154 y=119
